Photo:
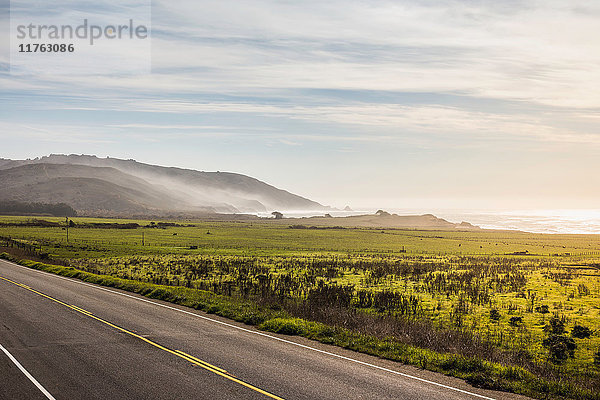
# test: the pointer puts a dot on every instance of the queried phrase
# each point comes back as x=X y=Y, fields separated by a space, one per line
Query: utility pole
x=67 y=221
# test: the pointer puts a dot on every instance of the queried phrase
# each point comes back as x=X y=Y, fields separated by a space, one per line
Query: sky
x=388 y=104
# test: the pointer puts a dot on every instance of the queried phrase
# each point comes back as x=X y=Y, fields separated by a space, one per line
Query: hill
x=110 y=186
x=380 y=220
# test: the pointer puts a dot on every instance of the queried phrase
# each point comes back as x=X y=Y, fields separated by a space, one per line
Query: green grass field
x=265 y=238
x=466 y=282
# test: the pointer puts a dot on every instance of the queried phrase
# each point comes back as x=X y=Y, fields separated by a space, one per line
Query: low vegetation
x=504 y=310
x=22 y=208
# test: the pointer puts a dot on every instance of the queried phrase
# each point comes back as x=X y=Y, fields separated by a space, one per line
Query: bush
x=597 y=357
x=581 y=332
x=542 y=309
x=560 y=348
x=556 y=326
x=515 y=321
x=330 y=295
x=495 y=315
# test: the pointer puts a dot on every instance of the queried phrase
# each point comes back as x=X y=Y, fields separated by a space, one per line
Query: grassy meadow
x=531 y=301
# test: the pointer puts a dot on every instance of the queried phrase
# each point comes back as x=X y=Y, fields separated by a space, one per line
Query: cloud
x=450 y=122
x=539 y=52
x=172 y=127
x=56 y=133
x=512 y=52
x=439 y=83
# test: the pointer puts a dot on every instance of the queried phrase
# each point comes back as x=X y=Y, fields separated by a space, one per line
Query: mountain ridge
x=140 y=188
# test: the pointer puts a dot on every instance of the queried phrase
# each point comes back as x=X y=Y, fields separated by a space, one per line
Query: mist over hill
x=111 y=186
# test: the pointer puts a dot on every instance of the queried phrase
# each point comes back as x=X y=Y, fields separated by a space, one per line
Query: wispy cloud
x=174 y=127
x=540 y=52
x=449 y=121
x=57 y=133
x=502 y=84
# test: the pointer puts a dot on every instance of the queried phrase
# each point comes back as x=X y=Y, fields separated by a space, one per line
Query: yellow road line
x=203 y=362
x=178 y=353
x=81 y=310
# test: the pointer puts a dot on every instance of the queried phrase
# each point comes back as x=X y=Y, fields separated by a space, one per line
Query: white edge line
x=258 y=333
x=27 y=374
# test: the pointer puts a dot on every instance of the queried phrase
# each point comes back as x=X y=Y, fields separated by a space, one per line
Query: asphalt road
x=82 y=341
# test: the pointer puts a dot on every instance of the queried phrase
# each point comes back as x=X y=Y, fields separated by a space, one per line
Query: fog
x=175 y=189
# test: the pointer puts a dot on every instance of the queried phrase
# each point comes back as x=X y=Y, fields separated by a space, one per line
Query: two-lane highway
x=71 y=340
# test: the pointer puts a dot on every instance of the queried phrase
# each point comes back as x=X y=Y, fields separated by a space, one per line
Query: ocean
x=580 y=221
x=539 y=221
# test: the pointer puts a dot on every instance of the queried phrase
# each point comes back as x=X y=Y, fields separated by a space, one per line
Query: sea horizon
x=551 y=221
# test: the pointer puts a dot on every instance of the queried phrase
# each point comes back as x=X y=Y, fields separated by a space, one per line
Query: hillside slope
x=114 y=186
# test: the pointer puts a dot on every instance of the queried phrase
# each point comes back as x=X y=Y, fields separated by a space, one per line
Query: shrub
x=556 y=326
x=581 y=332
x=495 y=314
x=560 y=348
x=330 y=295
x=542 y=309
x=515 y=321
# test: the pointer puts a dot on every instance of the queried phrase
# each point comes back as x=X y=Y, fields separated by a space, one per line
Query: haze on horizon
x=451 y=104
